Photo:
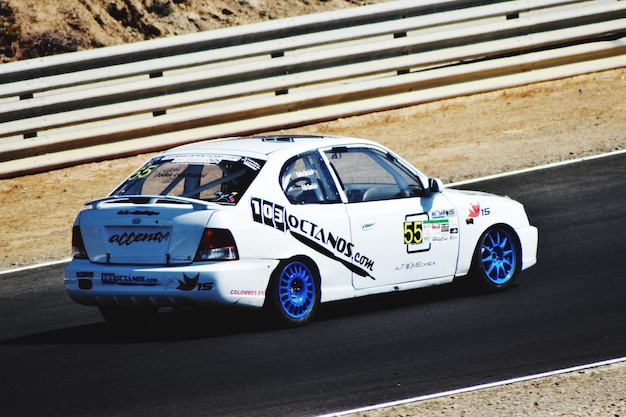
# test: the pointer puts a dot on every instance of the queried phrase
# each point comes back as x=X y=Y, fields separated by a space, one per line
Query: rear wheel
x=497 y=259
x=294 y=293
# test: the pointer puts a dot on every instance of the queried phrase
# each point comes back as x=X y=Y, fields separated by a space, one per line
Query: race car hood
x=470 y=195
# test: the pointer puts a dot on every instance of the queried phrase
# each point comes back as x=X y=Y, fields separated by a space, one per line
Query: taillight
x=78 y=247
x=217 y=245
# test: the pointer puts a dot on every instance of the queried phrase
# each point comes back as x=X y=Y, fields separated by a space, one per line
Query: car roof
x=255 y=146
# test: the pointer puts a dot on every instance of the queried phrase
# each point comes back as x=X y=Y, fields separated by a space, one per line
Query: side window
x=306 y=180
x=371 y=175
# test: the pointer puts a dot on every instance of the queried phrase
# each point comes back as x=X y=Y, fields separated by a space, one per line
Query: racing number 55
x=413 y=232
x=142 y=172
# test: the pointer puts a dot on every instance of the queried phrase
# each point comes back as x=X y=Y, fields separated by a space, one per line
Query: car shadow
x=397 y=300
x=171 y=326
x=184 y=325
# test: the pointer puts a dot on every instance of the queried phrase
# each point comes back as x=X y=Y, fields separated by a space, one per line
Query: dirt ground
x=31 y=28
x=456 y=139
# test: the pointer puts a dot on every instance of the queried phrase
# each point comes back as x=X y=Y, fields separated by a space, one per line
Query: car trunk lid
x=155 y=230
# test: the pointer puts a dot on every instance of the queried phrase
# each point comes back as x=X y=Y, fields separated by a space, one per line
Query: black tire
x=497 y=259
x=294 y=293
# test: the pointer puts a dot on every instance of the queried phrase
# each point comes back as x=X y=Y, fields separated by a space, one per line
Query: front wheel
x=294 y=293
x=497 y=259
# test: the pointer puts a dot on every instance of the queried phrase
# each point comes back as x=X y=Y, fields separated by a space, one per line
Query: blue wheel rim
x=498 y=257
x=296 y=290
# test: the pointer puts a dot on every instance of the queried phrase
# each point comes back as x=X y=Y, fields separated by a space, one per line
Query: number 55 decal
x=414 y=233
x=142 y=172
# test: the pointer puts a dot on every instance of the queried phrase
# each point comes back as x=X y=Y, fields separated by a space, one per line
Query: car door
x=400 y=232
x=316 y=216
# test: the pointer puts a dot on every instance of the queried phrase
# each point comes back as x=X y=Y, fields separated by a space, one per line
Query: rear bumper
x=242 y=282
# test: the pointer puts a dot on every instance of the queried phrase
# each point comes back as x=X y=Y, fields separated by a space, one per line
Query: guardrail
x=123 y=100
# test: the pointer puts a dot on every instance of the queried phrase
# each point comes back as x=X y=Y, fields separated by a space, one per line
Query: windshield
x=210 y=177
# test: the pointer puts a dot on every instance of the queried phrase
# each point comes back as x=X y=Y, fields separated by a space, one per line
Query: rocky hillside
x=34 y=28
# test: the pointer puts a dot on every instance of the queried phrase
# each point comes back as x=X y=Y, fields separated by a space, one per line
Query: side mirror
x=435 y=185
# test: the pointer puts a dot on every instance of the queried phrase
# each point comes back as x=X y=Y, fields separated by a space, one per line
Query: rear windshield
x=218 y=178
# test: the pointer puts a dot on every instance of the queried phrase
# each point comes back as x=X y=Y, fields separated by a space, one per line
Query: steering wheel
x=295 y=182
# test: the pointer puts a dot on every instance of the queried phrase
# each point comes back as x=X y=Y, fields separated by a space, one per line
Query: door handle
x=367 y=224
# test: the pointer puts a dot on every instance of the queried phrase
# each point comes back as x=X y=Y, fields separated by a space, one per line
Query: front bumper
x=241 y=282
x=529 y=239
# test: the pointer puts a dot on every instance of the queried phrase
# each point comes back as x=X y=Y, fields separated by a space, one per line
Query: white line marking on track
x=26 y=268
x=538 y=168
x=476 y=388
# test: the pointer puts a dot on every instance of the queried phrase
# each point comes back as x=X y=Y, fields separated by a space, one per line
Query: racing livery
x=285 y=223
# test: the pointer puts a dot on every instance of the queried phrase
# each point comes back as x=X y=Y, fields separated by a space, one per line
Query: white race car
x=285 y=223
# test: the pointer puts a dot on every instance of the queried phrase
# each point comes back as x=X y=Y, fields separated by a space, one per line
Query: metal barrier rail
x=123 y=100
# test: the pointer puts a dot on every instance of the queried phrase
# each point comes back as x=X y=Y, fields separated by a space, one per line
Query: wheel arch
x=308 y=261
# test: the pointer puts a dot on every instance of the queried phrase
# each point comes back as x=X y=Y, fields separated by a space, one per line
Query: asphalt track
x=58 y=358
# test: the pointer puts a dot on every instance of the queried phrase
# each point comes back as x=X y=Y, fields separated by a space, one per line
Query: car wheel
x=497 y=260
x=294 y=293
x=127 y=317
